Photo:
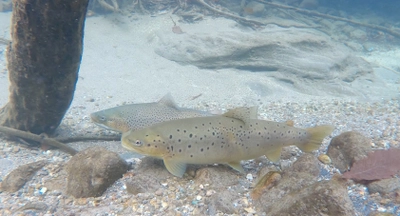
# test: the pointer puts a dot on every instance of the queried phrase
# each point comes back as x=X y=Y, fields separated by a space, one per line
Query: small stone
x=210 y=192
x=42 y=190
x=325 y=159
x=198 y=197
x=15 y=149
x=249 y=177
x=250 y=210
x=164 y=204
x=159 y=192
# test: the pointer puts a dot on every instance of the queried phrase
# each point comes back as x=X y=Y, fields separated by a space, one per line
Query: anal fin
x=176 y=168
x=274 y=154
x=236 y=165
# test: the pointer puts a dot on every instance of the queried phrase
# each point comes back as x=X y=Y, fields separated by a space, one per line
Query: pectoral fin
x=274 y=154
x=176 y=168
x=236 y=165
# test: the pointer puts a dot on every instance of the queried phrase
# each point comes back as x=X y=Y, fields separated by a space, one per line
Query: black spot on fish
x=180 y=150
x=209 y=123
x=184 y=131
x=148 y=144
x=248 y=137
x=274 y=131
x=232 y=121
x=259 y=133
x=212 y=144
x=208 y=148
x=177 y=130
x=195 y=127
x=172 y=148
x=191 y=155
x=190 y=135
x=189 y=146
x=202 y=124
x=241 y=126
x=256 y=123
x=147 y=135
x=251 y=125
x=288 y=132
x=281 y=134
x=201 y=138
x=170 y=136
x=168 y=147
x=213 y=133
x=201 y=149
x=267 y=137
x=179 y=140
x=155 y=146
x=258 y=144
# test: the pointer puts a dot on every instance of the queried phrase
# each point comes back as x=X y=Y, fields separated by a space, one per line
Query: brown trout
x=225 y=139
x=137 y=116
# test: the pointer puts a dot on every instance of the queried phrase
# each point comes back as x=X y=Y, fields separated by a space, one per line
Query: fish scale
x=137 y=116
x=226 y=139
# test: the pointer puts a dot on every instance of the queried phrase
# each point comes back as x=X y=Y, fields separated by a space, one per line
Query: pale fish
x=225 y=139
x=137 y=116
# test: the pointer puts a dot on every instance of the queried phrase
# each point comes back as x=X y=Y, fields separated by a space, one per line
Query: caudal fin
x=317 y=135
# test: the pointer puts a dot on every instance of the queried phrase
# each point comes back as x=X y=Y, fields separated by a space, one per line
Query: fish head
x=145 y=142
x=109 y=119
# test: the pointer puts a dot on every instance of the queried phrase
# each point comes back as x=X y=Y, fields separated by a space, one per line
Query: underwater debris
x=379 y=164
x=176 y=29
x=266 y=182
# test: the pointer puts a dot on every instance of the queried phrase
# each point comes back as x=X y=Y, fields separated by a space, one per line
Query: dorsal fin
x=242 y=113
x=167 y=100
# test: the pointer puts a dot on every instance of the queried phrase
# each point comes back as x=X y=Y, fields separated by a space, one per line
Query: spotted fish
x=225 y=139
x=137 y=116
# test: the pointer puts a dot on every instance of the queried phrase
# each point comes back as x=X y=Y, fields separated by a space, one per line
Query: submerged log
x=43 y=60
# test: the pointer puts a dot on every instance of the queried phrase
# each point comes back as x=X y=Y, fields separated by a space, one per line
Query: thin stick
x=37 y=138
x=314 y=13
x=88 y=138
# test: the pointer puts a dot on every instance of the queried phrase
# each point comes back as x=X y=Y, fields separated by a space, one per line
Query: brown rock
x=217 y=177
x=384 y=186
x=347 y=148
x=92 y=171
x=222 y=202
x=320 y=198
x=18 y=177
x=303 y=173
x=148 y=176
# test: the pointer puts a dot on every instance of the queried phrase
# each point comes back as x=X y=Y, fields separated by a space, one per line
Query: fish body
x=137 y=116
x=225 y=139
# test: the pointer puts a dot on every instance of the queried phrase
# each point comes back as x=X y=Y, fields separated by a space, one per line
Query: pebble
x=325 y=159
x=210 y=192
x=249 y=177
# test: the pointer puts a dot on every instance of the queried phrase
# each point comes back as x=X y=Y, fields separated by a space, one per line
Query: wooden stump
x=43 y=60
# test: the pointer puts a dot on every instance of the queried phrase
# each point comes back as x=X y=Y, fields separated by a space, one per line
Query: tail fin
x=317 y=134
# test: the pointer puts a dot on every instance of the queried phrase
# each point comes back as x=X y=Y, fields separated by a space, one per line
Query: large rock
x=293 y=56
x=347 y=148
x=303 y=173
x=18 y=177
x=92 y=171
x=320 y=198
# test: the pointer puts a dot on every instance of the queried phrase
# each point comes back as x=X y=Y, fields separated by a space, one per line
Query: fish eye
x=138 y=143
x=102 y=118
